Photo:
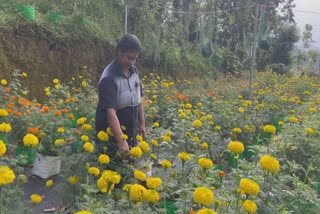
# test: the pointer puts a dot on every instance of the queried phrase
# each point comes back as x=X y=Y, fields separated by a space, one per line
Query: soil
x=34 y=50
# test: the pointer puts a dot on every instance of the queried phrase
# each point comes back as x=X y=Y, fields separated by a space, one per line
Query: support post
x=126 y=20
x=254 y=50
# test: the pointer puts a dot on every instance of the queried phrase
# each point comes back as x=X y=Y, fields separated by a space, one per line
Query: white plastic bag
x=46 y=166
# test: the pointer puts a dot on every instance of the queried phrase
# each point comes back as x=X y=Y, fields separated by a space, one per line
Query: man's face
x=128 y=58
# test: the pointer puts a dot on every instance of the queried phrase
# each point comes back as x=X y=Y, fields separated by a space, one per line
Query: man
x=119 y=94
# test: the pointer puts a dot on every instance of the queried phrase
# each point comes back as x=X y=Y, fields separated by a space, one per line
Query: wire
x=304 y=11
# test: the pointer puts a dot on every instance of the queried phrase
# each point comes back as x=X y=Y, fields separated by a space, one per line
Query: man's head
x=128 y=43
x=128 y=49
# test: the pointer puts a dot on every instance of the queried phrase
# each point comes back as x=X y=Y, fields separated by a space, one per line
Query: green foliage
x=284 y=43
x=279 y=68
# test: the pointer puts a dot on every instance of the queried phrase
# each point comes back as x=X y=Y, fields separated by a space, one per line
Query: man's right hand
x=123 y=148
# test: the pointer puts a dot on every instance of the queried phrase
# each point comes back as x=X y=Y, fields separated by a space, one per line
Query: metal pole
x=254 y=49
x=126 y=20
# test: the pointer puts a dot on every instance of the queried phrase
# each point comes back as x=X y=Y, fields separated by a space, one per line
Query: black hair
x=128 y=42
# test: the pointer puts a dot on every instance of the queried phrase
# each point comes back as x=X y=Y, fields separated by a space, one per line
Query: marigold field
x=209 y=148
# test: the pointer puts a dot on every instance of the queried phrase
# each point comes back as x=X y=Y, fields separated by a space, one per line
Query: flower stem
x=0 y=199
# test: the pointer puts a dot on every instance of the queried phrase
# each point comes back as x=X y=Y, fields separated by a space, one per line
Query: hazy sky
x=308 y=12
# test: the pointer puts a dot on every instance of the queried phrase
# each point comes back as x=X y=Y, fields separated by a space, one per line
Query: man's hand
x=142 y=131
x=123 y=148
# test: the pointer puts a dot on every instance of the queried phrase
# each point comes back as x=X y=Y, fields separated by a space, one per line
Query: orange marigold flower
x=78 y=132
x=70 y=100
x=65 y=110
x=71 y=116
x=57 y=112
x=45 y=109
x=10 y=105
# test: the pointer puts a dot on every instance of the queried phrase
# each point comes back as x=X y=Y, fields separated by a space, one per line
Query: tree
x=285 y=37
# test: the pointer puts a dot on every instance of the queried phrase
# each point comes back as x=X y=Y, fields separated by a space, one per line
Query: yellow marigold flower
x=124 y=136
x=3 y=148
x=3 y=112
x=154 y=143
x=235 y=147
x=205 y=163
x=293 y=119
x=102 y=185
x=137 y=192
x=209 y=117
x=206 y=211
x=204 y=146
x=269 y=129
x=188 y=134
x=84 y=138
x=154 y=182
x=109 y=131
x=104 y=159
x=103 y=136
x=7 y=176
x=269 y=163
x=196 y=139
x=88 y=147
x=5 y=127
x=86 y=127
x=309 y=130
x=184 y=156
x=83 y=212
x=188 y=106
x=250 y=187
x=59 y=142
x=35 y=198
x=49 y=183
x=30 y=140
x=182 y=115
x=107 y=177
x=73 y=180
x=144 y=146
x=281 y=123
x=4 y=82
x=55 y=81
x=139 y=138
x=312 y=110
x=197 y=123
x=155 y=125
x=153 y=157
x=199 y=104
x=203 y=196
x=240 y=109
x=24 y=74
x=217 y=128
x=84 y=83
x=136 y=152
x=237 y=130
x=126 y=187
x=166 y=164
x=22 y=179
x=81 y=120
x=141 y=176
x=61 y=130
x=151 y=196
x=56 y=86
x=249 y=206
x=94 y=171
